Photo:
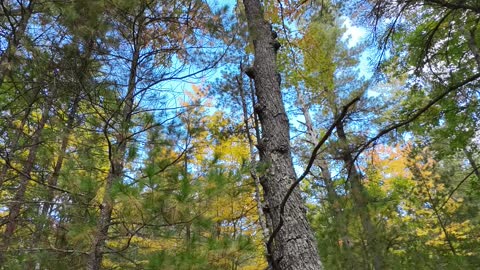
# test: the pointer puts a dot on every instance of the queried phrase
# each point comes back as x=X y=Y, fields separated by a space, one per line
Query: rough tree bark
x=294 y=246
x=256 y=181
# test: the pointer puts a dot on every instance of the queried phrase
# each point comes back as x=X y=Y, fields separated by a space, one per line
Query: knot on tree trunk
x=262 y=144
x=282 y=148
x=274 y=34
x=259 y=108
x=276 y=45
x=250 y=71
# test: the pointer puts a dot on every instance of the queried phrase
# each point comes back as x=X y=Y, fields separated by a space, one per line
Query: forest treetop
x=195 y=134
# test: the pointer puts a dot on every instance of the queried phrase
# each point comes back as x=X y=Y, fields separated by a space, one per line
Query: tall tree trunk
x=24 y=178
x=312 y=138
x=117 y=157
x=260 y=205
x=41 y=228
x=360 y=200
x=294 y=247
x=52 y=181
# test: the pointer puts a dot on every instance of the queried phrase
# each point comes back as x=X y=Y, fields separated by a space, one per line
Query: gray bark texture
x=294 y=247
x=256 y=181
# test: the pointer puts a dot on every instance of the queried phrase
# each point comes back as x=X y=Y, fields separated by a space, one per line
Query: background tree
x=154 y=134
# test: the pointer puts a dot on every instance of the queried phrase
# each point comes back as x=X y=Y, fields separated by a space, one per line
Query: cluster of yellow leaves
x=419 y=197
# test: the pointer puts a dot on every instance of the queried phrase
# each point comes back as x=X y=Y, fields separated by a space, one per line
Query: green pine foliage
x=145 y=106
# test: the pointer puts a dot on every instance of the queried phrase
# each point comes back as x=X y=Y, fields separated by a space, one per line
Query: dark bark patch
x=259 y=108
x=250 y=71
x=282 y=149
x=276 y=45
x=274 y=34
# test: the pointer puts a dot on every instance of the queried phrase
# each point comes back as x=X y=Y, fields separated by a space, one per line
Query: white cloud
x=353 y=33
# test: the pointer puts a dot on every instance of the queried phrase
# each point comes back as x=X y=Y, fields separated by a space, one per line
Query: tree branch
x=457 y=187
x=417 y=114
x=454 y=6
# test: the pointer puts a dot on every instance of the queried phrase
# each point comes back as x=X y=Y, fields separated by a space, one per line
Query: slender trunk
x=260 y=205
x=52 y=181
x=360 y=201
x=17 y=133
x=340 y=222
x=24 y=178
x=6 y=59
x=312 y=138
x=117 y=157
x=294 y=247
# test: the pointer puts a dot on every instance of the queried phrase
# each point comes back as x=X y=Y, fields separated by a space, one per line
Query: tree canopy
x=243 y=135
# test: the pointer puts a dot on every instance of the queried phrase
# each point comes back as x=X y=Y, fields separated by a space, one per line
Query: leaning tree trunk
x=294 y=246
